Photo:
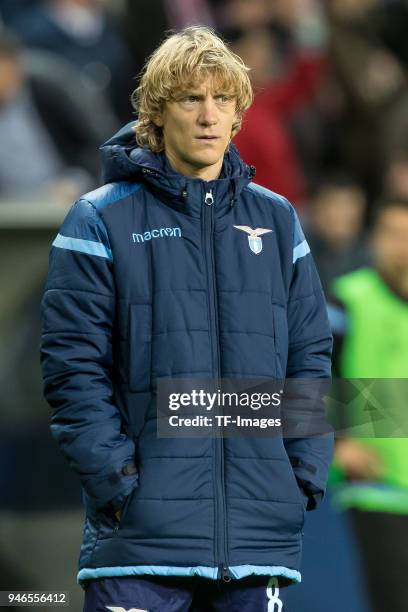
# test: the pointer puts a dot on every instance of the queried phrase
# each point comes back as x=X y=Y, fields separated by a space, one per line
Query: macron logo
x=161 y=232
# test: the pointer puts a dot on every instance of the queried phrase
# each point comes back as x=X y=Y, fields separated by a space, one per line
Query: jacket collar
x=124 y=160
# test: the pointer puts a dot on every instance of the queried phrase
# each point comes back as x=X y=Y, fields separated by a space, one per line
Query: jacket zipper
x=218 y=442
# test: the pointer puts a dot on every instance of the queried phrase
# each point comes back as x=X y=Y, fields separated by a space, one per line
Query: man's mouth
x=207 y=137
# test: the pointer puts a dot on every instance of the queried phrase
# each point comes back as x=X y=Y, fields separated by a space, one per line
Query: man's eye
x=223 y=98
x=190 y=99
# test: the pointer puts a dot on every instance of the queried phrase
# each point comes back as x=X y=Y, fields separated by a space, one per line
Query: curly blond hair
x=184 y=59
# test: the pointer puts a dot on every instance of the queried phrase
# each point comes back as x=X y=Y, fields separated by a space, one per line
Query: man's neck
x=207 y=173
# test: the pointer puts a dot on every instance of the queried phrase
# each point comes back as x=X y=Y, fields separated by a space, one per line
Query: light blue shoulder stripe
x=237 y=571
x=300 y=250
x=90 y=247
x=110 y=193
x=271 y=195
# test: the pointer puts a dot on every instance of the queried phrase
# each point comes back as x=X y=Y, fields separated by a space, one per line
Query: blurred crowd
x=330 y=79
x=328 y=129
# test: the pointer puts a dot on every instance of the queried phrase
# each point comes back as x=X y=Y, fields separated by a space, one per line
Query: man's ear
x=158 y=120
x=236 y=125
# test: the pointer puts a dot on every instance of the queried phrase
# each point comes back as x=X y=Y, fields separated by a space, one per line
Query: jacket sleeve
x=77 y=312
x=309 y=357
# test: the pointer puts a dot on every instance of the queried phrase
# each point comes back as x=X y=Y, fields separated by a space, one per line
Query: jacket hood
x=124 y=160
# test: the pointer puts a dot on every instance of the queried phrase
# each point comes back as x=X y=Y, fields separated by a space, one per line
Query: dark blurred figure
x=12 y=9
x=368 y=49
x=369 y=315
x=287 y=65
x=334 y=228
x=49 y=127
x=143 y=40
x=158 y=16
x=83 y=33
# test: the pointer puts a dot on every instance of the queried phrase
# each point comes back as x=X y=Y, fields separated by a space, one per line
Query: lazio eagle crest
x=254 y=238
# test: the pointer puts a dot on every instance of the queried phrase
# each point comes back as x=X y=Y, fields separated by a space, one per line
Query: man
x=335 y=228
x=163 y=274
x=369 y=318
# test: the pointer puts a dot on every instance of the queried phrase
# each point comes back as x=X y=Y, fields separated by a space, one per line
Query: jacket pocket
x=302 y=497
x=290 y=478
x=140 y=347
x=124 y=510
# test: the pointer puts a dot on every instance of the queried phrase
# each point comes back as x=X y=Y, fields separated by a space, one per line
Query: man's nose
x=208 y=113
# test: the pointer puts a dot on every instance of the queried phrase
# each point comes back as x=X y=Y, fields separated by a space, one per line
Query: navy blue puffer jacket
x=149 y=279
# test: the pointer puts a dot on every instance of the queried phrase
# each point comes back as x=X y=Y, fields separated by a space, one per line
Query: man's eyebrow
x=200 y=94
x=189 y=91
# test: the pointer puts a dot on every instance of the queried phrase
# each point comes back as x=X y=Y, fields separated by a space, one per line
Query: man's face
x=197 y=128
x=338 y=214
x=390 y=241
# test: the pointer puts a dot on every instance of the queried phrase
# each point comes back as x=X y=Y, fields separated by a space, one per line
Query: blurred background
x=328 y=130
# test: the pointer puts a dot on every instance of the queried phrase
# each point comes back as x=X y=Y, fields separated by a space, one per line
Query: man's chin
x=204 y=161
